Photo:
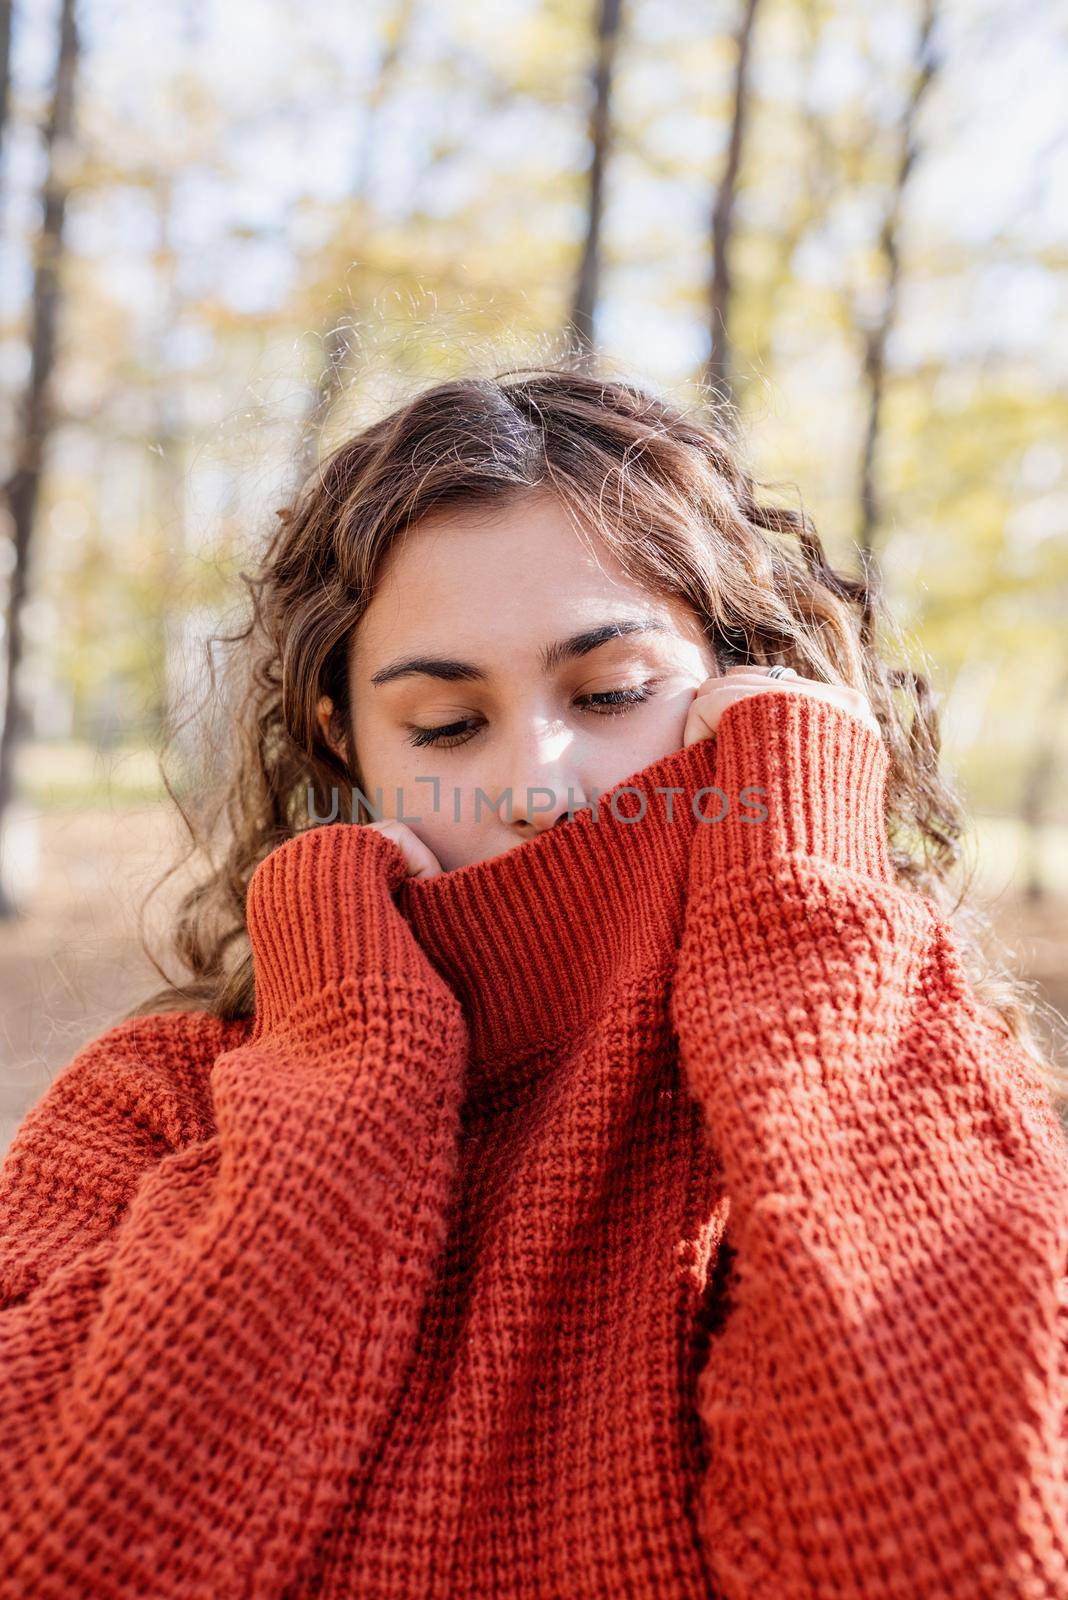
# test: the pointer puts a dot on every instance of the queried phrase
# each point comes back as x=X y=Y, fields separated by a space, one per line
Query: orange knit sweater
x=650 y=1211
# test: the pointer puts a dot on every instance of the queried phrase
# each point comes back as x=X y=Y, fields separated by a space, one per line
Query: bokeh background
x=234 y=229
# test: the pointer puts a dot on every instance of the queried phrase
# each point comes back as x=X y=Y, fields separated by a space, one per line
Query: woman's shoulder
x=130 y=1098
x=151 y=1072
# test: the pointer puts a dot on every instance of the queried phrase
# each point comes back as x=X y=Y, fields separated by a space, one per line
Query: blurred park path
x=73 y=963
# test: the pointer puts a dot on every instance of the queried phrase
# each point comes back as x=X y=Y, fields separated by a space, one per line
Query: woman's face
x=501 y=655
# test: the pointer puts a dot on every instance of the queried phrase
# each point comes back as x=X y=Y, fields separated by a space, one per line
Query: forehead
x=493 y=583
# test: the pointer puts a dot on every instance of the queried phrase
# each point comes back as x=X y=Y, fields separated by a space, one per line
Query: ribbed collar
x=530 y=938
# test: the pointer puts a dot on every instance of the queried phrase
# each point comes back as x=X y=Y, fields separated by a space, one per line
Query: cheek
x=417 y=787
x=380 y=767
x=661 y=732
x=442 y=814
x=635 y=742
x=671 y=708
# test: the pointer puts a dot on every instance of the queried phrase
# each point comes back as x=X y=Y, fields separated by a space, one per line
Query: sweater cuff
x=819 y=774
x=320 y=910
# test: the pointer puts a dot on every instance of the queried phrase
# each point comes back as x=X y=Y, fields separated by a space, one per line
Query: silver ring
x=778 y=672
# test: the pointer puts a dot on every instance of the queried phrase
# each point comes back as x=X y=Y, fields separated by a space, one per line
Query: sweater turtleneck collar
x=529 y=939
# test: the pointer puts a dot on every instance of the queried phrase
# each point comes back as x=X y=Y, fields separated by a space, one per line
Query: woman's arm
x=885 y=1406
x=190 y=1390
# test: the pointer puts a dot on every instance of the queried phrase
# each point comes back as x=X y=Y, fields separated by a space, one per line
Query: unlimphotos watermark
x=480 y=800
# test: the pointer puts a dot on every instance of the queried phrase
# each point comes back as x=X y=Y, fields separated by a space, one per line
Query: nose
x=544 y=782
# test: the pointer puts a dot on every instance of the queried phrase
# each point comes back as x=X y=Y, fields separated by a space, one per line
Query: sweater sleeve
x=200 y=1351
x=884 y=1405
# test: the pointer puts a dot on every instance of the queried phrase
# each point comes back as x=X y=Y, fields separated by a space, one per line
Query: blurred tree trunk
x=818 y=176
x=926 y=65
x=37 y=412
x=1039 y=777
x=168 y=480
x=5 y=65
x=718 y=366
x=334 y=336
x=588 y=280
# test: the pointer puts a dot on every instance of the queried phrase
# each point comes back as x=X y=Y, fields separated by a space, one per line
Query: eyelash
x=611 y=703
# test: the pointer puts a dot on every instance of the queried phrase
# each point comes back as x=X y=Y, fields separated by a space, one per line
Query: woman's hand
x=712 y=698
x=421 y=860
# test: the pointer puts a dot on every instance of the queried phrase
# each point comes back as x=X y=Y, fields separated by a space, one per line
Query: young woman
x=585 y=1158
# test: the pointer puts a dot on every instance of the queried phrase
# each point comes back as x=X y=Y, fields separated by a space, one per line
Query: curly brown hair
x=663 y=485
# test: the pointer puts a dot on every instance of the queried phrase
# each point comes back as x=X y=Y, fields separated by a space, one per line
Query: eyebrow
x=551 y=655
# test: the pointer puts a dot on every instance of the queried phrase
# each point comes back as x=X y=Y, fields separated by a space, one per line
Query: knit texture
x=649 y=1211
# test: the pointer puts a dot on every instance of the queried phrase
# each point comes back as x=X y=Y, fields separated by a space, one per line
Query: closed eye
x=610 y=702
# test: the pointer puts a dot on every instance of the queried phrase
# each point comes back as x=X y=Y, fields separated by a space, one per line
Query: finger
x=824 y=691
x=757 y=673
x=848 y=699
x=736 y=688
